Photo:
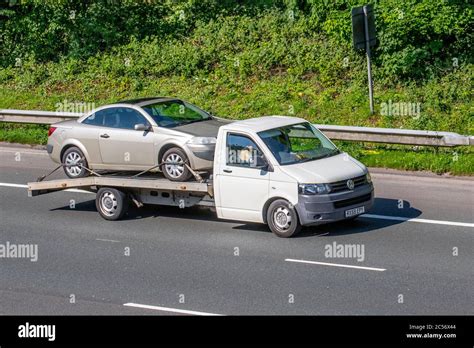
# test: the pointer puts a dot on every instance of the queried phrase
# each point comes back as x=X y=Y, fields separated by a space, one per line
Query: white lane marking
x=5 y=184
x=28 y=151
x=12 y=185
x=167 y=309
x=425 y=221
x=108 y=240
x=337 y=265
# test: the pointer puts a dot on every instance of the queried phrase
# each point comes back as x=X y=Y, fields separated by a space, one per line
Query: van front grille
x=340 y=186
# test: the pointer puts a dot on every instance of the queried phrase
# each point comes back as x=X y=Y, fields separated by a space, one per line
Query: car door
x=120 y=144
x=243 y=187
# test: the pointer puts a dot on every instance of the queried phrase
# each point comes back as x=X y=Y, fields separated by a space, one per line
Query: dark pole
x=369 y=70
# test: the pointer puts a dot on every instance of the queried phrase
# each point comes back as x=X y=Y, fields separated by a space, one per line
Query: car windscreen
x=172 y=113
x=297 y=143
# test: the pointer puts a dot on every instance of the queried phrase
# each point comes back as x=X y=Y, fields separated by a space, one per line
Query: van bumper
x=321 y=209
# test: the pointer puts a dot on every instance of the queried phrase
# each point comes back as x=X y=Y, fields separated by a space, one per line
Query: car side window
x=241 y=151
x=124 y=118
x=96 y=119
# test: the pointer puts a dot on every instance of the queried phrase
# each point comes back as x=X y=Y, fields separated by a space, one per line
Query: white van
x=294 y=176
x=276 y=170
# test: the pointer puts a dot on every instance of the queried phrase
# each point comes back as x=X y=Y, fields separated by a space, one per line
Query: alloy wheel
x=174 y=166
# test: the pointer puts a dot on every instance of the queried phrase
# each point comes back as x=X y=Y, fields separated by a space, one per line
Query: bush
x=418 y=39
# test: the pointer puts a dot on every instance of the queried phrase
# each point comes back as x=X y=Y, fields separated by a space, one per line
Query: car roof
x=145 y=101
x=263 y=123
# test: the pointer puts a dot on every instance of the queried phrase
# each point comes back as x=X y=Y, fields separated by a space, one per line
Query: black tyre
x=111 y=203
x=73 y=156
x=174 y=169
x=283 y=219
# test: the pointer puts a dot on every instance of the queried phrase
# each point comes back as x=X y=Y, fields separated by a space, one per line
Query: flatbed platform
x=92 y=182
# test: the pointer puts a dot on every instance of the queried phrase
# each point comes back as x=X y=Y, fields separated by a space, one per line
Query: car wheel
x=283 y=219
x=174 y=169
x=111 y=203
x=73 y=158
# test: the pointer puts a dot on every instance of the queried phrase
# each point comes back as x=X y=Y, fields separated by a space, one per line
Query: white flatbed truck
x=276 y=170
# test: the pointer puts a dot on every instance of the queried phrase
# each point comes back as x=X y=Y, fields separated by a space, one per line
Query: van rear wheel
x=111 y=203
x=283 y=219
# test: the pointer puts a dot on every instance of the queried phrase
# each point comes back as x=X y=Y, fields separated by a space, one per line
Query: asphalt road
x=189 y=262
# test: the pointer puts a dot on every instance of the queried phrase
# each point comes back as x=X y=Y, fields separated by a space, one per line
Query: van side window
x=241 y=151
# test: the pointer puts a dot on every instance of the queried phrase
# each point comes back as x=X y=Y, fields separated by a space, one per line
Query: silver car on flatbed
x=136 y=135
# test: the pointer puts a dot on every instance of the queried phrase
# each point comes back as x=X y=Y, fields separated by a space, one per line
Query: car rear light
x=51 y=131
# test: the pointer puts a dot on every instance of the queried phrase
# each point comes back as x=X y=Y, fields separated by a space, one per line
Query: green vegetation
x=24 y=134
x=260 y=57
x=453 y=160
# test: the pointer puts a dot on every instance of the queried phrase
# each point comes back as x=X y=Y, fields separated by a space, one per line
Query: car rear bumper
x=320 y=209
x=54 y=150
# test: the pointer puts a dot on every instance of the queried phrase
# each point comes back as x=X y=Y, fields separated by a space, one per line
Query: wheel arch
x=170 y=145
x=270 y=201
x=75 y=143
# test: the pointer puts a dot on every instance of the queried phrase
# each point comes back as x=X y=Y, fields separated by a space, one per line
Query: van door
x=242 y=186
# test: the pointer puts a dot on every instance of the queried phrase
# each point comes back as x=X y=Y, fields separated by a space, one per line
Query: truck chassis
x=115 y=192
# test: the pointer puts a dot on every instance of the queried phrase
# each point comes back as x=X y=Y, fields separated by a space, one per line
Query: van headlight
x=368 y=177
x=202 y=141
x=313 y=189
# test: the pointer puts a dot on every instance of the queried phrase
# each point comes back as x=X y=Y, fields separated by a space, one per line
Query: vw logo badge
x=350 y=184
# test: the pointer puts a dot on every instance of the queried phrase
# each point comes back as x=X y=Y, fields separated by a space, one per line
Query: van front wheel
x=283 y=219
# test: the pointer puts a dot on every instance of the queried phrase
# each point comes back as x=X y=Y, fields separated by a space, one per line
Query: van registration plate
x=354 y=211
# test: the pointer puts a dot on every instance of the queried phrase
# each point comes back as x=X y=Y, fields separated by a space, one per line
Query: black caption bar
x=133 y=330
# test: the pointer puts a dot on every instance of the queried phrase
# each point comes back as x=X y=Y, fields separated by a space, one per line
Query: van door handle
x=227 y=171
x=105 y=135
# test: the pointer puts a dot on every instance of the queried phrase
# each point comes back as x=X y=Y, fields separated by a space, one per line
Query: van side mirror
x=263 y=164
x=141 y=127
x=261 y=161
